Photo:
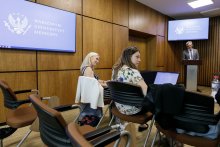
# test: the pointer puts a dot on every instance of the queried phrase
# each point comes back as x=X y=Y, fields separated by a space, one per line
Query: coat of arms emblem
x=179 y=30
x=17 y=24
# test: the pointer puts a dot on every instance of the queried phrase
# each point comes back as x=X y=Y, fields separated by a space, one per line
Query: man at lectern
x=190 y=53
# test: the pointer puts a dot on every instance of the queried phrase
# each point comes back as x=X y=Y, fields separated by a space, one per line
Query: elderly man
x=190 y=53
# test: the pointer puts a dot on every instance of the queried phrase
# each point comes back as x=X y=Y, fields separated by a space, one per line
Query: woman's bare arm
x=89 y=73
x=143 y=86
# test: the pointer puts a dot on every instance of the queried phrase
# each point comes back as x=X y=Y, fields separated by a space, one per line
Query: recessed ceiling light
x=199 y=3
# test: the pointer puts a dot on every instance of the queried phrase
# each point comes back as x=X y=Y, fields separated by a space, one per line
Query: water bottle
x=215 y=84
x=215 y=87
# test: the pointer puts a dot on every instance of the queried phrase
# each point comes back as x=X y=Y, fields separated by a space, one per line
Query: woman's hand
x=103 y=83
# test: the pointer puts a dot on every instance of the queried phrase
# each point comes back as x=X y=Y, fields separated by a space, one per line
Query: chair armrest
x=26 y=91
x=69 y=107
x=28 y=101
x=22 y=91
x=63 y=108
x=99 y=132
x=23 y=102
x=106 y=139
x=109 y=138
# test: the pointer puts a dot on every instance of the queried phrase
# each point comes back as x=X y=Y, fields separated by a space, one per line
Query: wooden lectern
x=190 y=73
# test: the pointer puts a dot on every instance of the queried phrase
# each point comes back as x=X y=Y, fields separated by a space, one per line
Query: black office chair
x=17 y=117
x=129 y=94
x=197 y=113
x=52 y=127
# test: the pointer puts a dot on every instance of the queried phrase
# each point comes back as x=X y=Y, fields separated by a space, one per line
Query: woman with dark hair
x=126 y=70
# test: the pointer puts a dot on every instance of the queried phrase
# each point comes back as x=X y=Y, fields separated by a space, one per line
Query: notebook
x=166 y=77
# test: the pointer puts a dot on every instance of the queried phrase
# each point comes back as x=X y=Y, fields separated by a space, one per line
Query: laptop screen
x=166 y=77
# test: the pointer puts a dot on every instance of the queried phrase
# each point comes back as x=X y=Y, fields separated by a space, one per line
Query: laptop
x=166 y=77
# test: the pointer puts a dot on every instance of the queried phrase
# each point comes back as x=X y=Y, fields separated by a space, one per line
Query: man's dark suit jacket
x=186 y=54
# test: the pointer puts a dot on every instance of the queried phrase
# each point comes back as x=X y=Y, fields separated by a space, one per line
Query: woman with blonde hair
x=87 y=67
x=91 y=116
x=126 y=70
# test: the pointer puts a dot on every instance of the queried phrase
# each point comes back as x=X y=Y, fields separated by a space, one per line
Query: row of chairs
x=120 y=92
x=52 y=125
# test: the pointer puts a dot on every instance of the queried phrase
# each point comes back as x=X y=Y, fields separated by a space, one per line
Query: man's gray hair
x=189 y=42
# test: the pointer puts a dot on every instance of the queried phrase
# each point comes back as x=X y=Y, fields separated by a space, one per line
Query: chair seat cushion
x=190 y=140
x=140 y=119
x=21 y=117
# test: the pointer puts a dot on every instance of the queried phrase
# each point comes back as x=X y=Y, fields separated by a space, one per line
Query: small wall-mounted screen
x=188 y=29
x=32 y=26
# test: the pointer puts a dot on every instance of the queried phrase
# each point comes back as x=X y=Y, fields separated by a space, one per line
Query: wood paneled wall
x=142 y=18
x=160 y=51
x=149 y=26
x=120 y=41
x=152 y=52
x=17 y=60
x=120 y=8
x=103 y=27
x=99 y=9
x=97 y=37
x=68 y=5
x=59 y=83
x=141 y=44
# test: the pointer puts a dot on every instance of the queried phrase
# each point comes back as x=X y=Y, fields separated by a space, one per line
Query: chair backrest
x=198 y=100
x=125 y=93
x=9 y=96
x=106 y=93
x=197 y=113
x=52 y=125
x=76 y=137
